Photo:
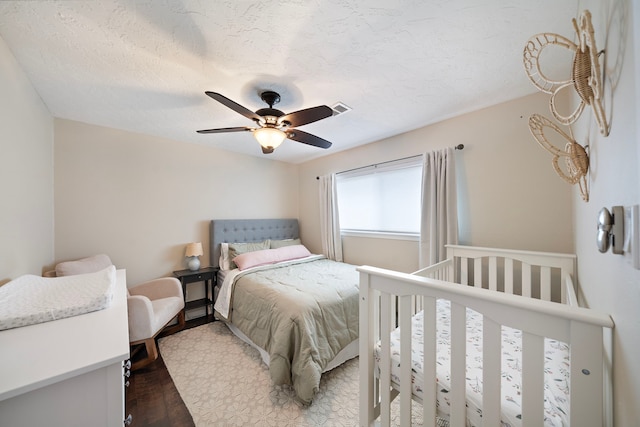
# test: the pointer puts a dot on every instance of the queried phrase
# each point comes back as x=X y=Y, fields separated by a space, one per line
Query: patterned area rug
x=223 y=382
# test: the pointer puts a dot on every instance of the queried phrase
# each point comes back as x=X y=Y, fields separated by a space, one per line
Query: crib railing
x=389 y=299
x=531 y=274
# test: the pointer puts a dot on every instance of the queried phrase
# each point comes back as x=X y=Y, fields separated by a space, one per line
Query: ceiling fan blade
x=223 y=130
x=307 y=138
x=234 y=106
x=306 y=116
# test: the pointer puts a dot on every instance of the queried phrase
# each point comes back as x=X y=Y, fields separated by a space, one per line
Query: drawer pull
x=128 y=420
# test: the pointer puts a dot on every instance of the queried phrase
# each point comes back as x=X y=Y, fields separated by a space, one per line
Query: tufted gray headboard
x=249 y=230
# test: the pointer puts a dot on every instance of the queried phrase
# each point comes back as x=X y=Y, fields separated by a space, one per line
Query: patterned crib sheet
x=32 y=299
x=556 y=367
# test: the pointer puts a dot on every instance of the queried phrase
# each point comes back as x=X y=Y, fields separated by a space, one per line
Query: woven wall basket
x=585 y=77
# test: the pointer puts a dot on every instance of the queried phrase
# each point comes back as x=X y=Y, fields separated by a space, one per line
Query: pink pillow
x=270 y=256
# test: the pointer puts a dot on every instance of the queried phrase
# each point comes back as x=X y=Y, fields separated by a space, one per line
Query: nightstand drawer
x=197 y=277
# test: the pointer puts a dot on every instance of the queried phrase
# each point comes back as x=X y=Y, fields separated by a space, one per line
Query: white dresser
x=67 y=372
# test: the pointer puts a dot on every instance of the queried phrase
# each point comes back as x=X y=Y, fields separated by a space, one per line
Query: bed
x=509 y=347
x=298 y=309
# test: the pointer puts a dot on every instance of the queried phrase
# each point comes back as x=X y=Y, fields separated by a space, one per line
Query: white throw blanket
x=32 y=299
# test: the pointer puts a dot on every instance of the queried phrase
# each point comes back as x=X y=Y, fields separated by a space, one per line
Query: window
x=384 y=198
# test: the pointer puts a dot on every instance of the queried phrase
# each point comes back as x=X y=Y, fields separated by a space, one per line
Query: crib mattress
x=556 y=366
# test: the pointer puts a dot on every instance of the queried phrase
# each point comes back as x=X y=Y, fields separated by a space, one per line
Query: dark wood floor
x=152 y=399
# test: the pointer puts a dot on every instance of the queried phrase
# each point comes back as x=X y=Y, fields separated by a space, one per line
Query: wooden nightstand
x=206 y=275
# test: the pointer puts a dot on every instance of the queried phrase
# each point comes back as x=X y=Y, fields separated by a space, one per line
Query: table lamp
x=194 y=250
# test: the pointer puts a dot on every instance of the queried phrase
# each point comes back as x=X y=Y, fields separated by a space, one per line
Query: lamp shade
x=269 y=137
x=194 y=249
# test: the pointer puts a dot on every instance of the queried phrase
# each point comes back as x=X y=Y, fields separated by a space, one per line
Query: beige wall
x=26 y=174
x=141 y=199
x=608 y=282
x=509 y=195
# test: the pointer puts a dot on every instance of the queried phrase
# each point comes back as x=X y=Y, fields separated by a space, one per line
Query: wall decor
x=585 y=76
x=575 y=156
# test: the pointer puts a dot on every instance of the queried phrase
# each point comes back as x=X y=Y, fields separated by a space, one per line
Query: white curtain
x=329 y=224
x=439 y=221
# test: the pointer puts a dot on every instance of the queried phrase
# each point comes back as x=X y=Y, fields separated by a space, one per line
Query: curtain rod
x=457 y=147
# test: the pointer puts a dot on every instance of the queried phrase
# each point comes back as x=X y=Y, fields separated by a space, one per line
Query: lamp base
x=193 y=263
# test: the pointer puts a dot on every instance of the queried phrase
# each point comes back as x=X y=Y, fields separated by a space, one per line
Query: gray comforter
x=302 y=314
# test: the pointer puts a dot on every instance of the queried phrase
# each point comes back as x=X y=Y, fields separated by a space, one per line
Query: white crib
x=531 y=292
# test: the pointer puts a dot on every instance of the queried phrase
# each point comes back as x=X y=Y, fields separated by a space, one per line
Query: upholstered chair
x=152 y=306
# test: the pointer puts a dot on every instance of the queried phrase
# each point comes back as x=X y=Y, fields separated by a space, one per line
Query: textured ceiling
x=143 y=65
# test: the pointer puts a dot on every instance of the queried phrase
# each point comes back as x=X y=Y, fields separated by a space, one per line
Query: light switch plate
x=632 y=235
x=618 y=229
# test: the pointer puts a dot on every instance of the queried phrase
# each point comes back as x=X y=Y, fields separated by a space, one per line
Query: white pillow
x=83 y=266
x=224 y=257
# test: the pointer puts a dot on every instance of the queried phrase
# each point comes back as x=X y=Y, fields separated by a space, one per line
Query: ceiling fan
x=274 y=126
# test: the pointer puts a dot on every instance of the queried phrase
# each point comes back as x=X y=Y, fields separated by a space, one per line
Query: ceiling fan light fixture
x=269 y=137
x=274 y=126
